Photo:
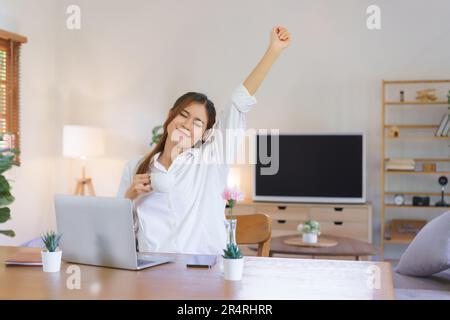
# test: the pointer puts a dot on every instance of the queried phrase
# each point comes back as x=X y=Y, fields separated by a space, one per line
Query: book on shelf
x=442 y=125
x=400 y=164
x=404 y=227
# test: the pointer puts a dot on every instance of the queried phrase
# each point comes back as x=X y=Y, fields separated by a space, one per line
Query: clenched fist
x=280 y=38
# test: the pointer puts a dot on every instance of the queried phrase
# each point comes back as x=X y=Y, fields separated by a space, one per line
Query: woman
x=190 y=218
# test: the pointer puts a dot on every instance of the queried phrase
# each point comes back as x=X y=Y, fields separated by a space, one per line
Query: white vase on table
x=233 y=269
x=309 y=237
x=51 y=261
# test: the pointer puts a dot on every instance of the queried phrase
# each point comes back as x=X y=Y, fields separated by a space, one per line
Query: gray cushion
x=419 y=294
x=429 y=252
x=437 y=282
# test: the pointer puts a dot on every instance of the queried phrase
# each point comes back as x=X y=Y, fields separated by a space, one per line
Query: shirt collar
x=188 y=152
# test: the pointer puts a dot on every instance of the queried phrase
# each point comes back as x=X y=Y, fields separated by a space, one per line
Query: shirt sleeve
x=127 y=176
x=229 y=129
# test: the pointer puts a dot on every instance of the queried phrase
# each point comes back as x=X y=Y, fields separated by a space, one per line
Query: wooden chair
x=255 y=229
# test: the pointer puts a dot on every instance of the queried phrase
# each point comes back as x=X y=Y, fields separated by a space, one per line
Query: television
x=313 y=168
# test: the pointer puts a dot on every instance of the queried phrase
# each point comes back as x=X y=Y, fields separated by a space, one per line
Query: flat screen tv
x=321 y=168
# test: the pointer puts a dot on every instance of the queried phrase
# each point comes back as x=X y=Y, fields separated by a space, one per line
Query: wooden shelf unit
x=432 y=106
x=417 y=172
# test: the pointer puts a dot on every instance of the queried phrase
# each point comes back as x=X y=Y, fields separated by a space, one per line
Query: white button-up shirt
x=191 y=217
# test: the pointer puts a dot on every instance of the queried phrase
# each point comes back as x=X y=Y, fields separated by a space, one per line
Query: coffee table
x=345 y=247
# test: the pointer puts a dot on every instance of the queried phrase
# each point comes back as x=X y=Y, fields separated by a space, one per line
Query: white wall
x=132 y=59
x=33 y=182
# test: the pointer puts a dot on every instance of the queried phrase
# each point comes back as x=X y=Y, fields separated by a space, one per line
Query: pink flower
x=226 y=194
x=232 y=194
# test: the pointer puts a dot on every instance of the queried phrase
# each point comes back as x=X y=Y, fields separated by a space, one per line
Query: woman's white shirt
x=191 y=217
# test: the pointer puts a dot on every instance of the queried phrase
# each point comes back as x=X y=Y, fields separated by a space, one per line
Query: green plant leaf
x=51 y=240
x=5 y=214
x=232 y=252
x=6 y=198
x=156 y=129
x=8 y=233
x=5 y=165
x=4 y=185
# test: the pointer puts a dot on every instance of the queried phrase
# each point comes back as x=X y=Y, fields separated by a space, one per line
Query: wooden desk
x=264 y=278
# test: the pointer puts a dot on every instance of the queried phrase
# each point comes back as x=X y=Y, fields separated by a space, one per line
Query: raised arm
x=280 y=38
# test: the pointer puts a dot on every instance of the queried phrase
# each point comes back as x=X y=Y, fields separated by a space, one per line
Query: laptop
x=100 y=231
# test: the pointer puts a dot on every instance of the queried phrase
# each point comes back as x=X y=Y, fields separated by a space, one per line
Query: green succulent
x=6 y=198
x=232 y=252
x=51 y=240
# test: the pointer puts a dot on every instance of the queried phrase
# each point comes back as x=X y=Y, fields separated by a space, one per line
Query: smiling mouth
x=183 y=132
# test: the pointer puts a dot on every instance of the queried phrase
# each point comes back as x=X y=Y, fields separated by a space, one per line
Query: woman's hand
x=140 y=185
x=280 y=38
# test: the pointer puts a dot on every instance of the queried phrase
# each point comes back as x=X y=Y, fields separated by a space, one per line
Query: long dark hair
x=179 y=105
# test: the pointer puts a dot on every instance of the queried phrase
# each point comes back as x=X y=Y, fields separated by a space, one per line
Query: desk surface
x=264 y=278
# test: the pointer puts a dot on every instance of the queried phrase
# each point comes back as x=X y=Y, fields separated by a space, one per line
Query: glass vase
x=230 y=225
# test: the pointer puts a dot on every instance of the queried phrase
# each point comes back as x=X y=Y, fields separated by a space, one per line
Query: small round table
x=345 y=247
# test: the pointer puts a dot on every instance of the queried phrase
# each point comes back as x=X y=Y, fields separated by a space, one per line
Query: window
x=9 y=90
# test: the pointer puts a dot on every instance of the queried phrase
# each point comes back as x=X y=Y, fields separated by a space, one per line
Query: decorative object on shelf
x=309 y=231
x=6 y=198
x=426 y=95
x=51 y=256
x=448 y=96
x=233 y=260
x=399 y=199
x=322 y=242
x=394 y=132
x=400 y=164
x=83 y=142
x=157 y=133
x=406 y=229
x=443 y=182
x=444 y=126
x=429 y=167
x=421 y=201
x=402 y=96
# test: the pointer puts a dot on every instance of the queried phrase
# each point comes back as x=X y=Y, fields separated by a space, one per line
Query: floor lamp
x=83 y=142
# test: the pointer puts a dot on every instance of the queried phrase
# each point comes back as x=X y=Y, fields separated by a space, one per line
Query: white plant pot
x=51 y=261
x=309 y=237
x=233 y=269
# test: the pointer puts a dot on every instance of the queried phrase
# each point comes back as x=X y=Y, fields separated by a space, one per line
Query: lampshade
x=83 y=141
x=234 y=179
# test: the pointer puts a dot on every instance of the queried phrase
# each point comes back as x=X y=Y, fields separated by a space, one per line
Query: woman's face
x=188 y=126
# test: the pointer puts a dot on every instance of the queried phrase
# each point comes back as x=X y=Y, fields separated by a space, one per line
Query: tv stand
x=345 y=220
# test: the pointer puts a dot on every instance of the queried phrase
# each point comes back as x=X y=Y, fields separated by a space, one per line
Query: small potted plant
x=309 y=231
x=233 y=263
x=448 y=96
x=51 y=256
